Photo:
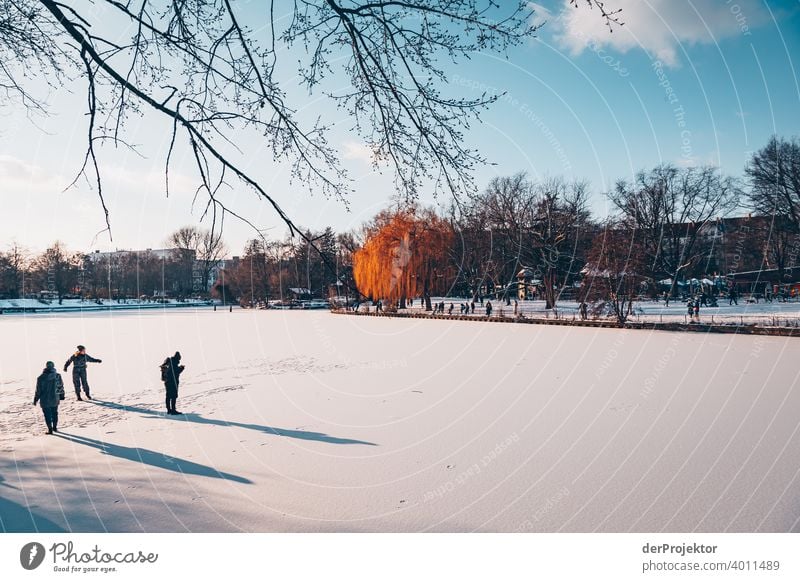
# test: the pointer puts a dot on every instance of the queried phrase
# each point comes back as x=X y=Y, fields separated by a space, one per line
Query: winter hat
x=49 y=365
x=81 y=347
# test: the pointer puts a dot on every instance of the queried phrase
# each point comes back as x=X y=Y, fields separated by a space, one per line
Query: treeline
x=184 y=268
x=319 y=265
x=668 y=224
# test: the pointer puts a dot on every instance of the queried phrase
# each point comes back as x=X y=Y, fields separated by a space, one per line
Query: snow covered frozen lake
x=308 y=421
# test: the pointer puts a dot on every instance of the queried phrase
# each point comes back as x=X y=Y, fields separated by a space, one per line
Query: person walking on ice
x=171 y=371
x=79 y=360
x=49 y=393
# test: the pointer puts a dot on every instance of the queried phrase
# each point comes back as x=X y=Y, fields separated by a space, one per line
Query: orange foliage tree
x=403 y=253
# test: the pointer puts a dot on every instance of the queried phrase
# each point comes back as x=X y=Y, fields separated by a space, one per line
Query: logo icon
x=31 y=555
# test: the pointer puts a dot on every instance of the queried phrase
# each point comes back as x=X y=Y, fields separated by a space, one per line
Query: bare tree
x=773 y=173
x=669 y=207
x=202 y=67
x=543 y=226
x=613 y=272
x=13 y=269
x=505 y=211
x=56 y=270
x=559 y=230
x=250 y=282
x=198 y=252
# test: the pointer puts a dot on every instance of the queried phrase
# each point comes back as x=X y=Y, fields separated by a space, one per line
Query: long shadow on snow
x=154 y=458
x=190 y=417
x=16 y=518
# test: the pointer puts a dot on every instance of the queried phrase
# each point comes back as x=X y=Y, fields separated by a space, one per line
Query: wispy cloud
x=541 y=12
x=19 y=175
x=152 y=181
x=353 y=150
x=660 y=27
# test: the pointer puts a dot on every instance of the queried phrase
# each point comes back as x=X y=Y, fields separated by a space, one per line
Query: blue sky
x=686 y=82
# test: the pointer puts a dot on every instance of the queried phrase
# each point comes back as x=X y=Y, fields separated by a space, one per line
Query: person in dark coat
x=79 y=360
x=488 y=309
x=171 y=371
x=49 y=393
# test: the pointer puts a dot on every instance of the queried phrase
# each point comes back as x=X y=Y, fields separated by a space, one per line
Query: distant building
x=300 y=293
x=164 y=254
x=187 y=257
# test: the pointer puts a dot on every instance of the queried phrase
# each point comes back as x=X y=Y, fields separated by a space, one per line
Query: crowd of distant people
x=694 y=301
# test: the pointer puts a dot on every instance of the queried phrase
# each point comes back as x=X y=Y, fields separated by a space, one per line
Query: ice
x=311 y=421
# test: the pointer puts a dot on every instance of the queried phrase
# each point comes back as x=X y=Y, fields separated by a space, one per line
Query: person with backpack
x=79 y=360
x=49 y=393
x=171 y=371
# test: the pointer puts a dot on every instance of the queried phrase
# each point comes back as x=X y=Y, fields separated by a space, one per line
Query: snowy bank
x=77 y=305
x=773 y=326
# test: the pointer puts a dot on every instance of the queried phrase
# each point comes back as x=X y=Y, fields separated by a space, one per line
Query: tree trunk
x=549 y=292
x=426 y=292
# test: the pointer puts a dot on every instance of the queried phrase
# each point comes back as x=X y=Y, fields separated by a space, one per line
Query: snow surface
x=310 y=421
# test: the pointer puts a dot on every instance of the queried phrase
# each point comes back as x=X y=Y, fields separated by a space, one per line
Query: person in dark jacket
x=49 y=393
x=79 y=360
x=171 y=371
x=488 y=309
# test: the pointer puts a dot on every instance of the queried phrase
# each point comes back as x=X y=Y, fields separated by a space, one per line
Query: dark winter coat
x=49 y=388
x=80 y=360
x=171 y=371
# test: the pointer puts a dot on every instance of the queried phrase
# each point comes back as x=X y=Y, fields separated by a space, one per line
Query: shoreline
x=48 y=309
x=746 y=329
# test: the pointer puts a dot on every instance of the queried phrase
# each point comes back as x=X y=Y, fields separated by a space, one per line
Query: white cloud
x=17 y=174
x=541 y=12
x=151 y=181
x=20 y=176
x=353 y=150
x=660 y=27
